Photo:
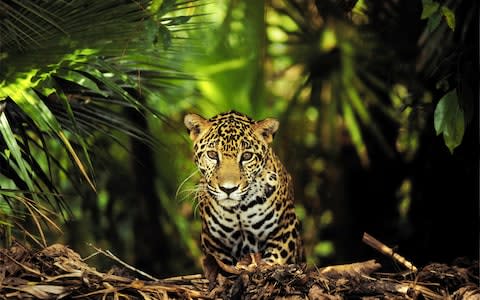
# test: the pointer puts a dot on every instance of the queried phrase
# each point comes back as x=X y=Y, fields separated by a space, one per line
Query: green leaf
x=14 y=148
x=449 y=119
x=77 y=135
x=434 y=21
x=155 y=6
x=178 y=20
x=355 y=133
x=449 y=17
x=429 y=8
x=166 y=6
x=80 y=79
x=324 y=248
x=34 y=107
x=165 y=36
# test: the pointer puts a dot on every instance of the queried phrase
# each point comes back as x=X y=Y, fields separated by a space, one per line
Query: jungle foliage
x=378 y=103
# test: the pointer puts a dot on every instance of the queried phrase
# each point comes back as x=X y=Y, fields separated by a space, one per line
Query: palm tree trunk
x=150 y=240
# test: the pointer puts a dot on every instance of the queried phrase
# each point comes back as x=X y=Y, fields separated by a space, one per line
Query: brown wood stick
x=382 y=248
x=109 y=254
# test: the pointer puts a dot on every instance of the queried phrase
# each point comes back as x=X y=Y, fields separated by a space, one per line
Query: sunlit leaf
x=358 y=104
x=449 y=17
x=328 y=40
x=360 y=8
x=82 y=80
x=155 y=6
x=15 y=151
x=355 y=132
x=34 y=107
x=449 y=120
x=324 y=248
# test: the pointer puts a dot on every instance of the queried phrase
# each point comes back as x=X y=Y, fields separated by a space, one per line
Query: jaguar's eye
x=246 y=156
x=212 y=155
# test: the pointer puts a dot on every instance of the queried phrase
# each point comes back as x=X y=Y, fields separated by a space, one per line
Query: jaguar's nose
x=229 y=190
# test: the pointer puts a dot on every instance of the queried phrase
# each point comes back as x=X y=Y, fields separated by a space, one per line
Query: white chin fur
x=228 y=202
x=232 y=197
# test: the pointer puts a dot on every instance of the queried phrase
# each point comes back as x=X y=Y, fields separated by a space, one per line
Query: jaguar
x=245 y=194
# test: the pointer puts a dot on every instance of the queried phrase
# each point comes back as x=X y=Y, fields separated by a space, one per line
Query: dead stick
x=183 y=278
x=109 y=254
x=382 y=248
x=176 y=289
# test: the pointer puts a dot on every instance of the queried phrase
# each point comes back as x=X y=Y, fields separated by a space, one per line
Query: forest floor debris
x=57 y=272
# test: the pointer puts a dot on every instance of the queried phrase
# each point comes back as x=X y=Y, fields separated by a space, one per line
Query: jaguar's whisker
x=186 y=194
x=191 y=191
x=184 y=181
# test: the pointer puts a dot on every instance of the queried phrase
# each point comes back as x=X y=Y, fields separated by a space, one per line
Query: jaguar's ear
x=196 y=125
x=266 y=129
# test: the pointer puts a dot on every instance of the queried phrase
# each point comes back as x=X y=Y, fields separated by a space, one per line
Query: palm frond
x=323 y=43
x=68 y=69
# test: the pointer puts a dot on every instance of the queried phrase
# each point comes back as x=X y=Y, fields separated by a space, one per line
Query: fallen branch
x=384 y=249
x=110 y=255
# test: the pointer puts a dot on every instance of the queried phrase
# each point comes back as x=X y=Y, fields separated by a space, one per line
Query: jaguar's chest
x=245 y=227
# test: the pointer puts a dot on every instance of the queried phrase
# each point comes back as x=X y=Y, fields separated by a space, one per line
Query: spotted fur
x=246 y=199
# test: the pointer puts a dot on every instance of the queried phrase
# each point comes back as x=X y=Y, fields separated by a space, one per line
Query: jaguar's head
x=230 y=150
